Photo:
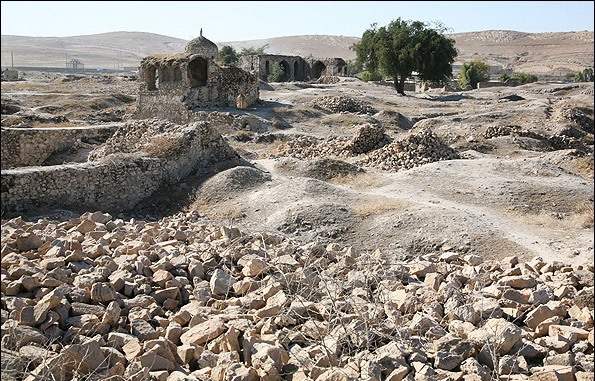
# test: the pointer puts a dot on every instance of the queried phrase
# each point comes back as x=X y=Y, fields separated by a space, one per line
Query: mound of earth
x=322 y=169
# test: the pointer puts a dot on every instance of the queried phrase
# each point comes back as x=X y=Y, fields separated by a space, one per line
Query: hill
x=537 y=53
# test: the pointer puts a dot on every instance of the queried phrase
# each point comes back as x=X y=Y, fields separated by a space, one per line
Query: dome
x=202 y=46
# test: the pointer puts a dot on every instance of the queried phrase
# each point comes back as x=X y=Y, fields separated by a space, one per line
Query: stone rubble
x=342 y=103
x=100 y=298
x=373 y=148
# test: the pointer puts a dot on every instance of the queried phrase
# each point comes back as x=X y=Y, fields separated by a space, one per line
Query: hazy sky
x=224 y=21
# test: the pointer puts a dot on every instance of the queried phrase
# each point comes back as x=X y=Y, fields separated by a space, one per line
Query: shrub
x=584 y=76
x=524 y=77
x=278 y=74
x=472 y=73
x=164 y=145
x=369 y=76
x=503 y=77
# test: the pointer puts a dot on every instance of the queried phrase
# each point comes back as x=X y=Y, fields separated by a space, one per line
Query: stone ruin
x=295 y=67
x=174 y=92
x=172 y=86
x=139 y=158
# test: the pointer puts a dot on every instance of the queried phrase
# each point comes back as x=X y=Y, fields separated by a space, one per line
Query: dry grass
x=164 y=145
x=580 y=217
x=584 y=214
x=378 y=205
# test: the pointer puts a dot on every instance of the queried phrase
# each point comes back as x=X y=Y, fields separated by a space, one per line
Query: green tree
x=369 y=76
x=277 y=74
x=584 y=76
x=524 y=77
x=503 y=77
x=472 y=73
x=404 y=47
x=228 y=55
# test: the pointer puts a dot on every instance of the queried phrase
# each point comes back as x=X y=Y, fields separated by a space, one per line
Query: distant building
x=296 y=68
x=174 y=85
x=10 y=75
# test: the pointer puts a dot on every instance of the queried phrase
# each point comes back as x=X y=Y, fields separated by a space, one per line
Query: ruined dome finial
x=200 y=32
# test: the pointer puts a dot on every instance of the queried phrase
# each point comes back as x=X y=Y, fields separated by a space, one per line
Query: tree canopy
x=472 y=73
x=404 y=47
x=228 y=55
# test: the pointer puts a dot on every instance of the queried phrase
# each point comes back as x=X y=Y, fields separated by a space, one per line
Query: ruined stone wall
x=162 y=103
x=114 y=182
x=301 y=74
x=176 y=99
x=32 y=146
x=223 y=88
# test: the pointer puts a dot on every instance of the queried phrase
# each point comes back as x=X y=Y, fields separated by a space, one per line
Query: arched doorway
x=286 y=69
x=296 y=71
x=318 y=69
x=197 y=72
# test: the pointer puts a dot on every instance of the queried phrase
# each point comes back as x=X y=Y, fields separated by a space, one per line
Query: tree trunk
x=400 y=85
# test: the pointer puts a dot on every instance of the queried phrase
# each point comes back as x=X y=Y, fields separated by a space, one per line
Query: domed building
x=173 y=86
x=203 y=47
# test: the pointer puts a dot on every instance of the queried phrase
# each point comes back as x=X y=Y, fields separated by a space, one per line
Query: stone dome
x=202 y=46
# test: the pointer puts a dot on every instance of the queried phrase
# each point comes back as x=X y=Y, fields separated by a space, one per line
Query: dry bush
x=584 y=214
x=377 y=205
x=164 y=145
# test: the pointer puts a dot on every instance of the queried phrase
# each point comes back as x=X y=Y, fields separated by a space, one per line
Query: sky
x=228 y=21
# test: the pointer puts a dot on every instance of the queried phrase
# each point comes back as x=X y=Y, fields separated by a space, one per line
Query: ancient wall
x=262 y=65
x=115 y=182
x=24 y=147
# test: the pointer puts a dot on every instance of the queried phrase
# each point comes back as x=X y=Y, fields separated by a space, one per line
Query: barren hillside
x=536 y=53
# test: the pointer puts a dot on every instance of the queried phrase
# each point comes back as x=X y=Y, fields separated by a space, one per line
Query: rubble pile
x=373 y=148
x=577 y=116
x=307 y=147
x=368 y=138
x=562 y=140
x=342 y=103
x=419 y=148
x=97 y=297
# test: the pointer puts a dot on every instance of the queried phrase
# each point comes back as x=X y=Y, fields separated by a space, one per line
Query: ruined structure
x=329 y=66
x=138 y=159
x=172 y=86
x=296 y=68
x=262 y=65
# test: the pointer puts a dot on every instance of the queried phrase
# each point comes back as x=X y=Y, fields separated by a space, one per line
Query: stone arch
x=197 y=72
x=296 y=70
x=286 y=69
x=151 y=77
x=318 y=69
x=177 y=73
x=165 y=74
x=267 y=68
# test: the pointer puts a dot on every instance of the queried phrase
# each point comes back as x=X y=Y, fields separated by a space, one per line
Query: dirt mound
x=319 y=222
x=230 y=182
x=323 y=169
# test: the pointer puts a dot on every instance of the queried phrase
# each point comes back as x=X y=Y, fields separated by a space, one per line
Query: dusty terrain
x=522 y=183
x=369 y=236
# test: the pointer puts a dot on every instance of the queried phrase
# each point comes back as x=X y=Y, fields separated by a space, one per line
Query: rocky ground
x=438 y=235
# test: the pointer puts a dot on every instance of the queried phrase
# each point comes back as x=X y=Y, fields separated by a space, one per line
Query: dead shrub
x=164 y=145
